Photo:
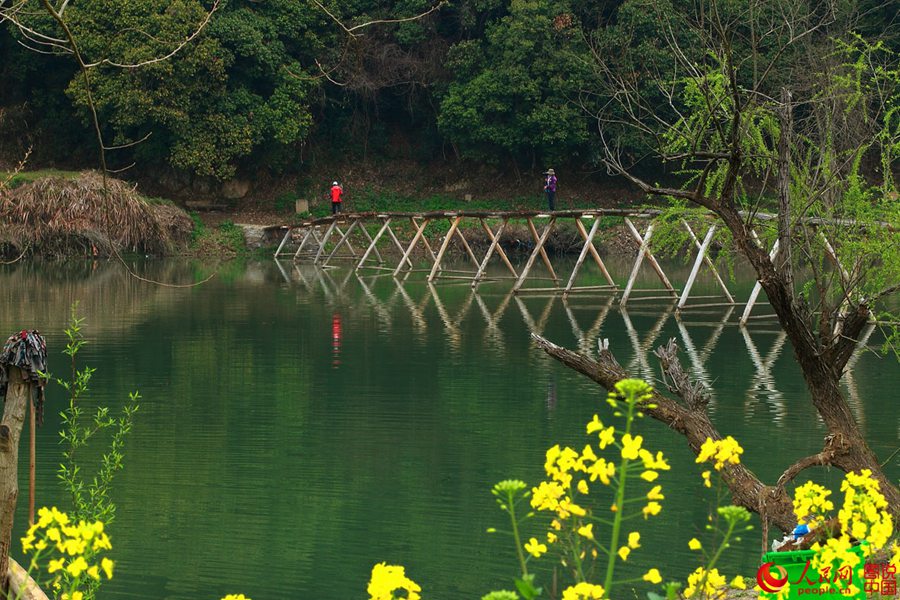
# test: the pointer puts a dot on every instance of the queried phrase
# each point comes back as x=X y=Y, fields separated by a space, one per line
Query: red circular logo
x=767 y=581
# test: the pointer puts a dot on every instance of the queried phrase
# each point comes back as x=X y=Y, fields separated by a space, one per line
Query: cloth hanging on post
x=26 y=350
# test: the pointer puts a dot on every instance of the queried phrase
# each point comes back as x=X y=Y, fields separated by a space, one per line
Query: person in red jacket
x=336 y=196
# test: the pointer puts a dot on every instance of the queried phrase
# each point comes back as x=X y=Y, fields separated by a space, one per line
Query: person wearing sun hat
x=337 y=193
x=550 y=189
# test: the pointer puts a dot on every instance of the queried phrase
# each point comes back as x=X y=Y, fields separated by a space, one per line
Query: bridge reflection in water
x=480 y=314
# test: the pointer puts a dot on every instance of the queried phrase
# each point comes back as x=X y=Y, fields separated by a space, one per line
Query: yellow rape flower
x=864 y=512
x=706 y=481
x=45 y=517
x=652 y=576
x=652 y=509
x=546 y=496
x=811 y=503
x=583 y=486
x=723 y=451
x=738 y=583
x=535 y=548
x=623 y=552
x=703 y=584
x=607 y=437
x=551 y=537
x=107 y=566
x=655 y=493
x=101 y=542
x=634 y=540
x=602 y=470
x=695 y=544
x=594 y=425
x=77 y=567
x=72 y=546
x=631 y=446
x=649 y=476
x=587 y=531
x=55 y=565
x=235 y=597
x=387 y=579
x=657 y=463
x=567 y=507
x=583 y=591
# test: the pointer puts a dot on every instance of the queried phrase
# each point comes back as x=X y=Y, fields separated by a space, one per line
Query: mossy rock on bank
x=83 y=216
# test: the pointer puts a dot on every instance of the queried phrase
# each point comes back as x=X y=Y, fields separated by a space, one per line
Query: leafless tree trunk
x=18 y=396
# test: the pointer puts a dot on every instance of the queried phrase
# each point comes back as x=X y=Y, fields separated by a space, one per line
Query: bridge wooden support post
x=399 y=245
x=593 y=250
x=284 y=240
x=345 y=239
x=709 y=263
x=310 y=233
x=420 y=229
x=758 y=287
x=538 y=249
x=643 y=251
x=372 y=244
x=444 y=245
x=588 y=247
x=495 y=245
x=425 y=239
x=324 y=241
x=468 y=248
x=701 y=254
x=368 y=236
x=540 y=246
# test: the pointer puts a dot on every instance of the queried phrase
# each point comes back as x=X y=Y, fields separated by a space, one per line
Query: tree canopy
x=511 y=83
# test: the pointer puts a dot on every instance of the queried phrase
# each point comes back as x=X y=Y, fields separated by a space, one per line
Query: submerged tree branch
x=746 y=488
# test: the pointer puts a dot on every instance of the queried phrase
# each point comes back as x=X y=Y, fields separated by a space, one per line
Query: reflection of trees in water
x=39 y=294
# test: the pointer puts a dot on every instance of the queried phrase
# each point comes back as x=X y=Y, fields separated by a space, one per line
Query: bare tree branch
x=350 y=30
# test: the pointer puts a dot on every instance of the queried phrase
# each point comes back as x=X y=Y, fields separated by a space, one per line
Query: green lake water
x=298 y=426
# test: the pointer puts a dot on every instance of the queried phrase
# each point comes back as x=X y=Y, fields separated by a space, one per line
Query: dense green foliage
x=270 y=85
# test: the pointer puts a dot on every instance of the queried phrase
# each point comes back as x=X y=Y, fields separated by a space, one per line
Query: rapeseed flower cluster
x=235 y=597
x=723 y=451
x=563 y=465
x=704 y=583
x=864 y=513
x=73 y=549
x=863 y=517
x=583 y=591
x=387 y=580
x=811 y=504
x=613 y=456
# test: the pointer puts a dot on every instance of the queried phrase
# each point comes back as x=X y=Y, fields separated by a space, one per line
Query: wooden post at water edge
x=18 y=397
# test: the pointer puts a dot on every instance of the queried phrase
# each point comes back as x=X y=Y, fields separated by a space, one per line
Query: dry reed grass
x=60 y=217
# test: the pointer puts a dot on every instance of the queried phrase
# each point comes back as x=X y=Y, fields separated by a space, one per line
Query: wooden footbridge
x=360 y=239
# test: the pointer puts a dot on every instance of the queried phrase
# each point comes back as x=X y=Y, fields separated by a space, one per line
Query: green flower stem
x=715 y=558
x=511 y=503
x=620 y=508
x=722 y=546
x=576 y=556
